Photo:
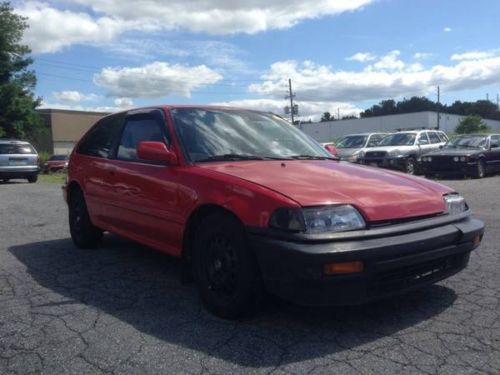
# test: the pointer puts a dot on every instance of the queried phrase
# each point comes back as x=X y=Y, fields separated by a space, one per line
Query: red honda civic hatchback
x=251 y=204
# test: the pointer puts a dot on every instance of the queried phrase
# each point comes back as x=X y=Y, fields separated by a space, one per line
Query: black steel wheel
x=225 y=268
x=480 y=169
x=32 y=179
x=410 y=166
x=83 y=233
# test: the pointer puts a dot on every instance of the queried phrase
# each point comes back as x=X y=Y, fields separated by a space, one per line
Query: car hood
x=455 y=152
x=347 y=151
x=391 y=148
x=379 y=194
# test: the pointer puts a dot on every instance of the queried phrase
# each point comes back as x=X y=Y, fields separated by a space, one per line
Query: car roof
x=370 y=133
x=13 y=142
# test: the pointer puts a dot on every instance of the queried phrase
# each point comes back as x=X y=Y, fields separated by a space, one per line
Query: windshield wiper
x=231 y=157
x=313 y=157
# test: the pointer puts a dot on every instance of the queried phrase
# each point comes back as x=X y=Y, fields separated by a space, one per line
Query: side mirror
x=331 y=149
x=156 y=151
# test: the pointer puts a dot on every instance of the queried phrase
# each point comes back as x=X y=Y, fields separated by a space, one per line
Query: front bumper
x=445 y=169
x=394 y=262
x=396 y=163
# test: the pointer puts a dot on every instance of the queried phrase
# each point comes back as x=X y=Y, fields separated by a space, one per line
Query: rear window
x=16 y=149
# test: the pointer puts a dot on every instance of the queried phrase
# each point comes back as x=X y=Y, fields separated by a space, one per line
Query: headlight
x=394 y=153
x=318 y=219
x=429 y=159
x=455 y=204
x=456 y=158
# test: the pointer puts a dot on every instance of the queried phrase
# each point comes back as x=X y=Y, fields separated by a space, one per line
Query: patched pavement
x=122 y=309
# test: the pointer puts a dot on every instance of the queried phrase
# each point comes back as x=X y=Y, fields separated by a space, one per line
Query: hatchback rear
x=18 y=159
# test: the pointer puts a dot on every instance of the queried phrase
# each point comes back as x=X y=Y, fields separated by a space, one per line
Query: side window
x=422 y=139
x=100 y=140
x=138 y=129
x=434 y=137
x=374 y=140
x=495 y=140
x=442 y=136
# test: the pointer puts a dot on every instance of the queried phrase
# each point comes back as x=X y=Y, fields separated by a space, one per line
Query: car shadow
x=141 y=288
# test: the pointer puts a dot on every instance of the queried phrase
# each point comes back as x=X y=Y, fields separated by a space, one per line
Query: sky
x=342 y=55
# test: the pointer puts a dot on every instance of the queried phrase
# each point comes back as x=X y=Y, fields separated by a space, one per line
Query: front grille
x=444 y=163
x=392 y=281
x=376 y=154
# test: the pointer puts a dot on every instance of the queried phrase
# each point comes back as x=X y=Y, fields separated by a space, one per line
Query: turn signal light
x=344 y=267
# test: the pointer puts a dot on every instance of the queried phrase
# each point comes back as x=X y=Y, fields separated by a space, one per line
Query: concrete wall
x=327 y=131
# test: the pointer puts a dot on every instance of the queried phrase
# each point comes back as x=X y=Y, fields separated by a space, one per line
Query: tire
x=83 y=233
x=225 y=268
x=411 y=166
x=480 y=169
x=32 y=179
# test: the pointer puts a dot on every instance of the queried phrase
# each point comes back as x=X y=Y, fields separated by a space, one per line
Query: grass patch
x=53 y=178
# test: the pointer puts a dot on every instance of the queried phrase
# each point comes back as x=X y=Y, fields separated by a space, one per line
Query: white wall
x=327 y=131
x=63 y=148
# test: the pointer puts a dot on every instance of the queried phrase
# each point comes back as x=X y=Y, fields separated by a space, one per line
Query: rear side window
x=374 y=140
x=139 y=129
x=101 y=139
x=422 y=139
x=11 y=149
x=434 y=137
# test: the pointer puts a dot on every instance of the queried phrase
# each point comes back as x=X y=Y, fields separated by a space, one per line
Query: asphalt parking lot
x=122 y=309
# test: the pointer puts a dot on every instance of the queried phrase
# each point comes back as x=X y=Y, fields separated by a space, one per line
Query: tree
x=326 y=117
x=18 y=118
x=471 y=124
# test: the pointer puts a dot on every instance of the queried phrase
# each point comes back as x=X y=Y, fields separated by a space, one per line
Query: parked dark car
x=56 y=163
x=472 y=155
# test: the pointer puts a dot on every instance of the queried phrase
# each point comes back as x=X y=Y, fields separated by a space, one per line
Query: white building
x=330 y=130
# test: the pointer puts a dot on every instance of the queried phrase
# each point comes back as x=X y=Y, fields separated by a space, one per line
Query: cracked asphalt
x=122 y=309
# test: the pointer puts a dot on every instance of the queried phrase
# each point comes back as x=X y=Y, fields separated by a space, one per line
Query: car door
x=94 y=167
x=423 y=143
x=145 y=194
x=493 y=154
x=434 y=139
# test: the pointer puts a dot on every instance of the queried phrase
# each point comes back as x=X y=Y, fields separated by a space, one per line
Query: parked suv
x=403 y=150
x=250 y=203
x=18 y=159
x=353 y=146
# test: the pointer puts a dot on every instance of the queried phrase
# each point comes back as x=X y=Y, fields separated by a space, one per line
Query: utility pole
x=498 y=103
x=338 y=113
x=487 y=97
x=438 y=107
x=291 y=95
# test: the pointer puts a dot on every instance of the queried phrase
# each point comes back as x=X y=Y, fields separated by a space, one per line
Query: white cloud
x=422 y=55
x=307 y=110
x=100 y=21
x=124 y=103
x=52 y=29
x=73 y=96
x=447 y=29
x=388 y=77
x=155 y=80
x=361 y=57
x=472 y=55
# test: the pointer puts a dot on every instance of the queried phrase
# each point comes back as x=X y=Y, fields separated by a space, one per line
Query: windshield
x=398 y=139
x=467 y=142
x=212 y=135
x=58 y=157
x=352 y=141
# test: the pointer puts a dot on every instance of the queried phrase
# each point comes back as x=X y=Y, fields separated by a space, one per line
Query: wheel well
x=192 y=224
x=72 y=187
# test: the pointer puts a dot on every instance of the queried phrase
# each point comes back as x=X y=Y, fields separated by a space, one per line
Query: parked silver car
x=402 y=150
x=352 y=147
x=18 y=159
